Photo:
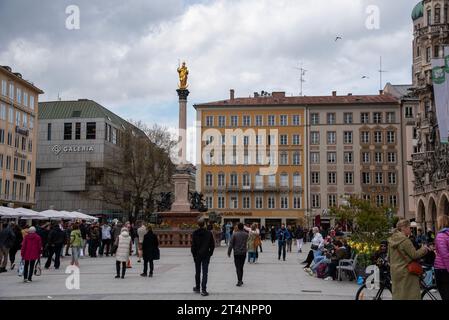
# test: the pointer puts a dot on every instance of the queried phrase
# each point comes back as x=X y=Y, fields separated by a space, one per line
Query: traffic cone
x=129 y=263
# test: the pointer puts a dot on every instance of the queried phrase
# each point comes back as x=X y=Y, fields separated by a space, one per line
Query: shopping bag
x=21 y=268
x=37 y=268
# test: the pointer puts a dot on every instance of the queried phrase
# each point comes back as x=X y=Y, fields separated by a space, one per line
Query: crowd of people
x=53 y=242
x=56 y=240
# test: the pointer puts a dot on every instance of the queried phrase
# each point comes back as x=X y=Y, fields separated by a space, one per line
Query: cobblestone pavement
x=268 y=279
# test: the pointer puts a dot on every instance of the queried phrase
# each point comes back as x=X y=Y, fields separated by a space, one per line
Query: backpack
x=321 y=271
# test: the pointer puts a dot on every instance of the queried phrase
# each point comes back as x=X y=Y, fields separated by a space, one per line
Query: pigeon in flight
x=338 y=38
x=365 y=77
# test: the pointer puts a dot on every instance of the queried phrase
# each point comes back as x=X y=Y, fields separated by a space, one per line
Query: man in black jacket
x=203 y=246
x=238 y=243
x=56 y=239
x=7 y=238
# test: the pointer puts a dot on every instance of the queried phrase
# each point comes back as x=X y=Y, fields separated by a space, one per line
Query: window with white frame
x=221 y=202
x=271 y=120
x=331 y=157
x=11 y=115
x=209 y=121
x=391 y=117
x=296 y=120
x=259 y=181
x=296 y=139
x=349 y=157
x=377 y=116
x=246 y=202
x=377 y=136
x=284 y=158
x=2 y=111
x=392 y=177
x=378 y=157
x=284 y=139
x=391 y=137
x=297 y=181
x=331 y=178
x=209 y=202
x=331 y=200
x=221 y=179
x=234 y=121
x=379 y=177
x=259 y=121
x=19 y=96
x=331 y=118
x=234 y=202
x=209 y=179
x=348 y=118
x=297 y=203
x=284 y=180
x=221 y=121
x=315 y=177
x=315 y=201
x=364 y=117
x=31 y=102
x=347 y=137
x=11 y=91
x=246 y=180
x=315 y=157
x=366 y=158
x=315 y=138
x=364 y=137
x=284 y=120
x=409 y=112
x=259 y=202
x=271 y=202
x=25 y=99
x=315 y=118
x=331 y=137
x=234 y=180
x=349 y=177
x=4 y=86
x=296 y=158
x=366 y=177
x=392 y=157
x=393 y=201
x=379 y=200
x=284 y=202
x=18 y=117
x=246 y=121
x=272 y=180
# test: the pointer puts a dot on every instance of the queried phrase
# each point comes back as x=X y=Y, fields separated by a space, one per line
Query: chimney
x=232 y=94
x=381 y=92
x=334 y=93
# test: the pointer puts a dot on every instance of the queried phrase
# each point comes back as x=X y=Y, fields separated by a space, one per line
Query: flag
x=440 y=79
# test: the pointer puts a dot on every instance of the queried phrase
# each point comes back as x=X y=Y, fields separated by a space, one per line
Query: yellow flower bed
x=363 y=247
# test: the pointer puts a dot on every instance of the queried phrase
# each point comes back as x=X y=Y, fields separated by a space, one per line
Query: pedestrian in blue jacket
x=282 y=236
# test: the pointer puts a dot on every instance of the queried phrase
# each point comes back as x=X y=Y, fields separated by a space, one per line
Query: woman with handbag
x=404 y=268
x=31 y=251
x=150 y=251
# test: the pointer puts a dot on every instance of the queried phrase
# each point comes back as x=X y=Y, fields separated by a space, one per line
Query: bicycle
x=428 y=292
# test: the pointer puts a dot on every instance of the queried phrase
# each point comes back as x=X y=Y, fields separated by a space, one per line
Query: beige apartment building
x=344 y=144
x=18 y=139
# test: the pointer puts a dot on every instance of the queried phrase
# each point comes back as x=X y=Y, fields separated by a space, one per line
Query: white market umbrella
x=53 y=214
x=6 y=212
x=29 y=214
x=84 y=216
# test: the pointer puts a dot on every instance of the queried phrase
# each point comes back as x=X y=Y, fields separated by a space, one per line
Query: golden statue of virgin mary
x=183 y=73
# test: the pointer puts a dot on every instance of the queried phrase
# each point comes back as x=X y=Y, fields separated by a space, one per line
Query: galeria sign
x=57 y=149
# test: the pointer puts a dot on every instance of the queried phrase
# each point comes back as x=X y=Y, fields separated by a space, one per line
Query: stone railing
x=178 y=238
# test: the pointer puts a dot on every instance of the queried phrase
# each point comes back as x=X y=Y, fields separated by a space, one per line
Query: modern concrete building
x=429 y=161
x=18 y=139
x=76 y=138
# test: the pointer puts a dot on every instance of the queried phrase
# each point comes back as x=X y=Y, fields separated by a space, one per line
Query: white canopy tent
x=53 y=214
x=84 y=216
x=8 y=213
x=29 y=214
x=23 y=213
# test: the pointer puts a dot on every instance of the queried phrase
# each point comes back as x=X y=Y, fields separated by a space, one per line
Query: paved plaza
x=269 y=279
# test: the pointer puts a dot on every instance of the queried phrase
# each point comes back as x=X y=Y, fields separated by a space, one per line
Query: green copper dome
x=418 y=11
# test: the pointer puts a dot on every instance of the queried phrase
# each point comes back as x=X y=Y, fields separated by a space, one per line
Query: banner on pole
x=440 y=79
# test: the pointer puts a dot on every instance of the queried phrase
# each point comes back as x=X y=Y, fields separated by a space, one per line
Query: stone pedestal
x=182 y=203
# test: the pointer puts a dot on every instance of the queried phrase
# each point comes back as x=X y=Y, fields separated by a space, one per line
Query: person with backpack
x=203 y=245
x=30 y=252
x=273 y=235
x=299 y=235
x=94 y=240
x=76 y=242
x=7 y=238
x=56 y=239
x=282 y=236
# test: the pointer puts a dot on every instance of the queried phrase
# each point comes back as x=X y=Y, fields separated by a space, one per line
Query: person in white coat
x=124 y=247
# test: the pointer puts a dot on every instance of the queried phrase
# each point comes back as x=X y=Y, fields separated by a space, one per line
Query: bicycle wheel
x=383 y=293
x=430 y=293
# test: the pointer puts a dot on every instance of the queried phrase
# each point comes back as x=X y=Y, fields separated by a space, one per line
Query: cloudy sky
x=125 y=53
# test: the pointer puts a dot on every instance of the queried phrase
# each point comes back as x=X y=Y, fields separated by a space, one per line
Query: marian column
x=182 y=177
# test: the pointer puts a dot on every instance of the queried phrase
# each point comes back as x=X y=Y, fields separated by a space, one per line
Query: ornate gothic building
x=430 y=160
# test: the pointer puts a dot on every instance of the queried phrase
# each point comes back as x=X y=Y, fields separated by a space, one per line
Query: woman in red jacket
x=31 y=251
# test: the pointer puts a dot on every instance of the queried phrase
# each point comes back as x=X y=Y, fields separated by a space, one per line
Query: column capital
x=183 y=94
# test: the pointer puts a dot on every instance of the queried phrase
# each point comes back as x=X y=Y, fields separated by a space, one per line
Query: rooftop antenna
x=301 y=77
x=381 y=71
x=59 y=97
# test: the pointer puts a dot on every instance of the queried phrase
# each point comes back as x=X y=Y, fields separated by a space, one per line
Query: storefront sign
x=22 y=131
x=237 y=214
x=57 y=149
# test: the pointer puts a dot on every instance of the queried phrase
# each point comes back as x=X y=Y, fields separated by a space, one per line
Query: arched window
x=437 y=15
x=429 y=16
